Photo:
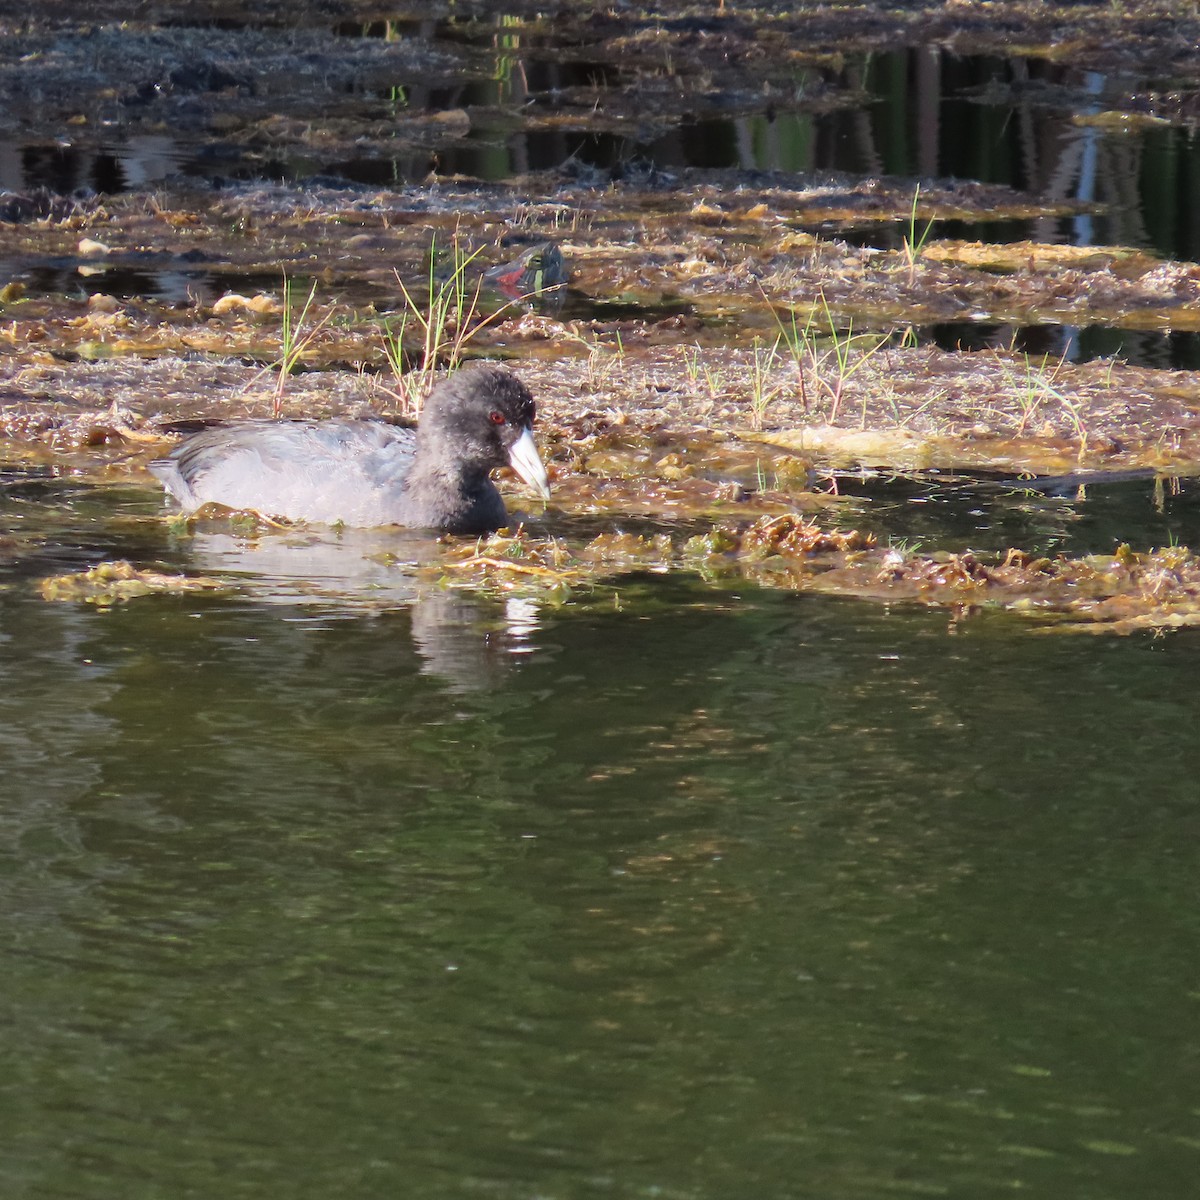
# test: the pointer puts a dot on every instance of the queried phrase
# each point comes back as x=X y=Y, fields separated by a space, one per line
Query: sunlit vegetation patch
x=518 y=560
x=734 y=316
x=111 y=583
x=1117 y=593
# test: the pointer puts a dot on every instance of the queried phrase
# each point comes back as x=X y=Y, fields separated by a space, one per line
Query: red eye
x=496 y=418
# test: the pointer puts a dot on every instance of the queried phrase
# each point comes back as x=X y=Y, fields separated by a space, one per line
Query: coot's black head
x=482 y=417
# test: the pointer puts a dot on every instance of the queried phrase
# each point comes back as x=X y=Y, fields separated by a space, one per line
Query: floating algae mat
x=1117 y=592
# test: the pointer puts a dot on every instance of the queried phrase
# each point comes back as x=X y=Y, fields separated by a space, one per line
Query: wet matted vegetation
x=268 y=208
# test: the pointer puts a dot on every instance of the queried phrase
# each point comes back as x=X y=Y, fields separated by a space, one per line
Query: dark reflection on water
x=924 y=112
x=1080 y=514
x=703 y=893
x=1171 y=350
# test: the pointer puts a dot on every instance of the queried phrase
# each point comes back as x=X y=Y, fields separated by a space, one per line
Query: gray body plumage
x=349 y=471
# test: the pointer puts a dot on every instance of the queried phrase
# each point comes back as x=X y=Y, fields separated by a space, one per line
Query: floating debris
x=111 y=583
x=1117 y=593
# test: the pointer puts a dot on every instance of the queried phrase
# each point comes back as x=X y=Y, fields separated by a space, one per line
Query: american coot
x=367 y=473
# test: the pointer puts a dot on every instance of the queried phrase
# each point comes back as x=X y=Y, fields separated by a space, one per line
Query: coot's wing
x=323 y=471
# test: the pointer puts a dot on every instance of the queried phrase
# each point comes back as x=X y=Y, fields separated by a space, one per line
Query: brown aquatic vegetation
x=115 y=582
x=709 y=258
x=1104 y=410
x=654 y=433
x=1116 y=593
x=792 y=536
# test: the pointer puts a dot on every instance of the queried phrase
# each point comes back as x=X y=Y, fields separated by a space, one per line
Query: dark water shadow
x=1171 y=350
x=1076 y=515
x=923 y=112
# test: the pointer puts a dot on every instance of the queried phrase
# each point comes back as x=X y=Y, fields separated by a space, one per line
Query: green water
x=705 y=894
